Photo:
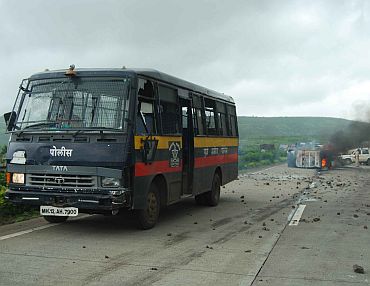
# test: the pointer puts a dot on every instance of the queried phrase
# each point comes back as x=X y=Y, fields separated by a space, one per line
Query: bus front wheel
x=148 y=217
x=212 y=197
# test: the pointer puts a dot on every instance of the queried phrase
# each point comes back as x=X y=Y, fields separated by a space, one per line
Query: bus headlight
x=108 y=182
x=18 y=178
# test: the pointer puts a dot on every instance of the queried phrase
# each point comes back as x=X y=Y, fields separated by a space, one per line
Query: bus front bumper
x=86 y=203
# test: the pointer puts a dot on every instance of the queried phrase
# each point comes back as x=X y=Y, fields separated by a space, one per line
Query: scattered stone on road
x=358 y=269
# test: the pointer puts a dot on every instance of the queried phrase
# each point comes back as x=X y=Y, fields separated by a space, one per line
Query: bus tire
x=148 y=217
x=212 y=197
x=55 y=219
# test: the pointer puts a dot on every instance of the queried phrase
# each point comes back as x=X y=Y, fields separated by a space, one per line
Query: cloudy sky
x=276 y=58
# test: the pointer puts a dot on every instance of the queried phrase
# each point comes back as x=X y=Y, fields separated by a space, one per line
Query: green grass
x=10 y=213
x=250 y=158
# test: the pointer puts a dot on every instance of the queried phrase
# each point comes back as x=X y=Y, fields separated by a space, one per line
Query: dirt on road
x=279 y=226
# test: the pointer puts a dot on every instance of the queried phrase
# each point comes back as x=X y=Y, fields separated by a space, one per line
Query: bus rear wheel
x=212 y=197
x=148 y=217
x=55 y=219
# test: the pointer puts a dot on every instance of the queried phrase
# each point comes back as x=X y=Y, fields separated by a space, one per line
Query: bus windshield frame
x=77 y=103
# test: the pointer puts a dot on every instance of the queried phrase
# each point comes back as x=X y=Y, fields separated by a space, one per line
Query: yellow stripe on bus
x=201 y=142
x=162 y=141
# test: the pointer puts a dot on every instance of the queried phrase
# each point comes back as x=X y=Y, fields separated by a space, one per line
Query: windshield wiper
x=36 y=125
x=101 y=129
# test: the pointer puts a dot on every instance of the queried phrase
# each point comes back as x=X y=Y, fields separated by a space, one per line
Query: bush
x=2 y=198
x=256 y=158
x=10 y=213
x=3 y=150
x=2 y=180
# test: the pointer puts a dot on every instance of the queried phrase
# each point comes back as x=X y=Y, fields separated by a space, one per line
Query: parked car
x=350 y=157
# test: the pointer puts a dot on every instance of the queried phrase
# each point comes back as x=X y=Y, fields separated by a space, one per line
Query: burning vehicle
x=311 y=155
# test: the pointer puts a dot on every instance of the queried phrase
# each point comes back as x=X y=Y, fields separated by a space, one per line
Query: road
x=278 y=226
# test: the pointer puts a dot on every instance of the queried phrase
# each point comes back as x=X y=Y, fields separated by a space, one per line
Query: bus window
x=210 y=122
x=169 y=110
x=232 y=121
x=197 y=115
x=221 y=112
x=184 y=117
x=233 y=129
x=200 y=122
x=222 y=123
x=145 y=117
x=210 y=117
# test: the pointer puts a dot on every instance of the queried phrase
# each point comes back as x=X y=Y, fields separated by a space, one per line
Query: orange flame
x=323 y=163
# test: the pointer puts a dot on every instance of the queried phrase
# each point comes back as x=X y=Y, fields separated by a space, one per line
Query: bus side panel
x=162 y=165
x=211 y=152
x=229 y=172
x=203 y=179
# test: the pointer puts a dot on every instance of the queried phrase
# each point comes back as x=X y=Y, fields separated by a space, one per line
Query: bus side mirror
x=10 y=118
x=148 y=150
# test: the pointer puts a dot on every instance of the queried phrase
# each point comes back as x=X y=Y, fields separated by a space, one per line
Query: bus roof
x=150 y=73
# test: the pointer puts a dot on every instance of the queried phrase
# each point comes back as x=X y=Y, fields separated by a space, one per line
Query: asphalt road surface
x=278 y=226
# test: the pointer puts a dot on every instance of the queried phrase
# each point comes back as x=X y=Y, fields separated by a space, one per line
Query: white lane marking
x=297 y=215
x=262 y=170
x=27 y=231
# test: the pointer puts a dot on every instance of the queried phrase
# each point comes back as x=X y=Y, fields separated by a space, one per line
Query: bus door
x=188 y=146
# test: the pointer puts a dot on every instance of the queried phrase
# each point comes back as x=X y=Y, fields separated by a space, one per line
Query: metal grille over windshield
x=74 y=103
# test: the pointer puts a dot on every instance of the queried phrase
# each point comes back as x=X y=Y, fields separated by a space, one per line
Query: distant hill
x=256 y=130
x=253 y=130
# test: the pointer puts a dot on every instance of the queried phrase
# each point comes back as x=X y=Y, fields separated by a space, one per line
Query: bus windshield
x=74 y=103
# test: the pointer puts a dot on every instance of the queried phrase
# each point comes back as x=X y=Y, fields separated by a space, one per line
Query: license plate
x=55 y=211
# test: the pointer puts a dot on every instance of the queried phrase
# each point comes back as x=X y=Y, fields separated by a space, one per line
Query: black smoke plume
x=352 y=136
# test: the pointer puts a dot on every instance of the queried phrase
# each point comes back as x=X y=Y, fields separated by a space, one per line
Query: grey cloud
x=282 y=53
